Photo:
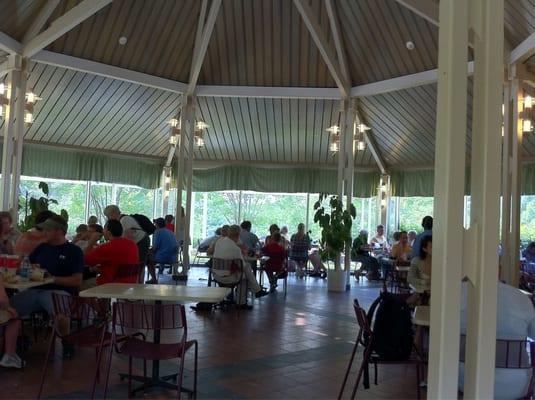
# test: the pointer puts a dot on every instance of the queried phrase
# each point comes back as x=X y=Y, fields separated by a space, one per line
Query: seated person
x=277 y=257
x=82 y=236
x=360 y=253
x=64 y=261
x=205 y=244
x=529 y=253
x=412 y=238
x=29 y=240
x=419 y=275
x=401 y=251
x=224 y=233
x=170 y=222
x=92 y=220
x=164 y=249
x=226 y=248
x=379 y=240
x=11 y=332
x=515 y=321
x=107 y=258
x=8 y=234
x=300 y=244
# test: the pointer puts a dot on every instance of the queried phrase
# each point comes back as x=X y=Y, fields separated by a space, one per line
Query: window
x=135 y=200
x=412 y=210
x=101 y=196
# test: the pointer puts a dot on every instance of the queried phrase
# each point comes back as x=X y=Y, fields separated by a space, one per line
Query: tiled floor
x=293 y=347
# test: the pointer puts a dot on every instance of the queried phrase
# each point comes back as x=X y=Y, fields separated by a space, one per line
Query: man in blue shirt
x=164 y=248
x=427 y=224
x=64 y=261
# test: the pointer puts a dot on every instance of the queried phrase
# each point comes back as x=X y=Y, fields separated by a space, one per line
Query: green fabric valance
x=285 y=180
x=48 y=162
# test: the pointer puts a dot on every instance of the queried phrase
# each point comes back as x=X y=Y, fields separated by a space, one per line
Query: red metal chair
x=365 y=339
x=89 y=316
x=131 y=316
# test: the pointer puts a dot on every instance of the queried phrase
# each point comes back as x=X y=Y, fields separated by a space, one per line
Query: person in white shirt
x=132 y=231
x=226 y=248
x=516 y=321
x=379 y=238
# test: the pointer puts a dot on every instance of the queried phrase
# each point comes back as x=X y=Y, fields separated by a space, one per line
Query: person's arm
x=91 y=243
x=211 y=248
x=129 y=227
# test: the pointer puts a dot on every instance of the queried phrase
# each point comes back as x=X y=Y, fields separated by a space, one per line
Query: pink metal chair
x=88 y=317
x=132 y=316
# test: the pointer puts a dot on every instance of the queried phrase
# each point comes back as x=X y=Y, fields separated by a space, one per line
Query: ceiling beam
x=267 y=92
x=400 y=83
x=109 y=71
x=9 y=45
x=427 y=9
x=337 y=38
x=201 y=44
x=326 y=51
x=523 y=51
x=62 y=25
x=376 y=153
x=39 y=22
x=12 y=63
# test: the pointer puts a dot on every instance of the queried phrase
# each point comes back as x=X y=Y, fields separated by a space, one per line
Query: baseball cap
x=54 y=222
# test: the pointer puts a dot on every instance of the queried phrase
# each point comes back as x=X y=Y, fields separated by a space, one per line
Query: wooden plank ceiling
x=254 y=42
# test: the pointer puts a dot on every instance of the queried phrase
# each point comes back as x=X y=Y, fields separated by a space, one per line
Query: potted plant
x=34 y=205
x=335 y=224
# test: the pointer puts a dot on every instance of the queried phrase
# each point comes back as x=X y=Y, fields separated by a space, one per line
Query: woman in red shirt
x=276 y=264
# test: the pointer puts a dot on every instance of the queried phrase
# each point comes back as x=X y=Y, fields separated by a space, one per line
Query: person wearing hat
x=164 y=248
x=64 y=261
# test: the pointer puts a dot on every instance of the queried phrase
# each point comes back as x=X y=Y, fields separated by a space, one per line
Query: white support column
x=191 y=211
x=505 y=261
x=481 y=264
x=204 y=215
x=239 y=207
x=87 y=200
x=307 y=216
x=12 y=84
x=350 y=119
x=449 y=191
x=18 y=144
x=384 y=201
x=180 y=171
x=516 y=179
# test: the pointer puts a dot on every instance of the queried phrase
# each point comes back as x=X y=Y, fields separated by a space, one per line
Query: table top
x=180 y=293
x=402 y=269
x=22 y=285
x=421 y=316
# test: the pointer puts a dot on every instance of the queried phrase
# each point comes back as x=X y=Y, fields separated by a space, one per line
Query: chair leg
x=375 y=370
x=112 y=346
x=130 y=377
x=418 y=381
x=98 y=350
x=351 y=359
x=180 y=377
x=195 y=370
x=365 y=361
x=45 y=367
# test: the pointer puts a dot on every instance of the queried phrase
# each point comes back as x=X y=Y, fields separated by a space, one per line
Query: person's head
x=113 y=229
x=169 y=219
x=301 y=228
x=427 y=223
x=396 y=236
x=234 y=232
x=531 y=248
x=55 y=229
x=224 y=230
x=218 y=232
x=426 y=247
x=276 y=237
x=82 y=231
x=246 y=226
x=159 y=223
x=273 y=228
x=92 y=220
x=95 y=228
x=112 y=212
x=380 y=230
x=284 y=230
x=42 y=217
x=6 y=221
x=411 y=235
x=363 y=234
x=403 y=237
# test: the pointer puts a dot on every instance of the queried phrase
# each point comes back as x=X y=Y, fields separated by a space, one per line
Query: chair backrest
x=85 y=310
x=510 y=354
x=142 y=316
x=362 y=319
x=129 y=271
x=231 y=266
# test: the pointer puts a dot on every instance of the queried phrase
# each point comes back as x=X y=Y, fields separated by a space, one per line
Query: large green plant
x=335 y=224
x=34 y=205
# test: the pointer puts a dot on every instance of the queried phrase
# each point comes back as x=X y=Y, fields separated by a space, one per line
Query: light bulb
x=361 y=145
x=173 y=122
x=199 y=141
x=526 y=125
x=28 y=118
x=335 y=129
x=173 y=139
x=528 y=102
x=334 y=147
x=2 y=89
x=167 y=179
x=1 y=111
x=201 y=125
x=31 y=98
x=362 y=128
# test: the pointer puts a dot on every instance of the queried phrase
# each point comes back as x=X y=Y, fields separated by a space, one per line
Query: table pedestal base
x=151 y=382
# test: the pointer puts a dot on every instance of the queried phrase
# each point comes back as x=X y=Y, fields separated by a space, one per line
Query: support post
x=204 y=215
x=485 y=191
x=505 y=260
x=449 y=190
x=87 y=199
x=307 y=216
x=12 y=85
x=384 y=201
x=18 y=140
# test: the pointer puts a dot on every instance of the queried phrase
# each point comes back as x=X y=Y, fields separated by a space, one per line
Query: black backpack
x=145 y=223
x=392 y=328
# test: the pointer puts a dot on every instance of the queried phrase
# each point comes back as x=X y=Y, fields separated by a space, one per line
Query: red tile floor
x=294 y=347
